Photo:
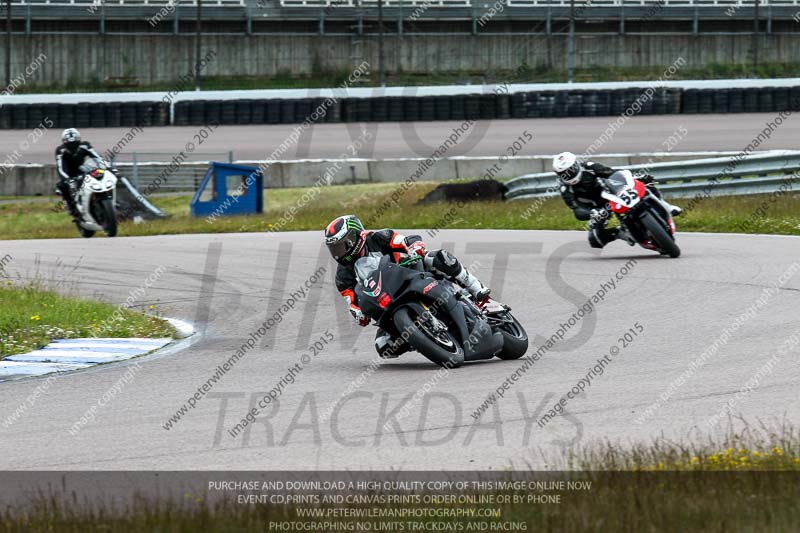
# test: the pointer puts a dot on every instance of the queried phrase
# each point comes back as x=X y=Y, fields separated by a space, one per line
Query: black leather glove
x=647 y=179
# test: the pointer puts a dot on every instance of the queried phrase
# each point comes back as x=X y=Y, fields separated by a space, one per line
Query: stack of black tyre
x=737 y=100
x=534 y=104
x=84 y=115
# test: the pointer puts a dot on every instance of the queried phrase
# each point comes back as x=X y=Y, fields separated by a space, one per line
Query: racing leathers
x=68 y=163
x=586 y=201
x=391 y=243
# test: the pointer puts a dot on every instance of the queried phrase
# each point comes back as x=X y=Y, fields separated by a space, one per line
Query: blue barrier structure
x=234 y=190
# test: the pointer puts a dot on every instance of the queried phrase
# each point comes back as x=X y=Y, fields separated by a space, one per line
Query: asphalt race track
x=228 y=284
x=420 y=139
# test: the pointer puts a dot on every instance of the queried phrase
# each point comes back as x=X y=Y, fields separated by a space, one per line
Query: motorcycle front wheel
x=85 y=233
x=440 y=347
x=106 y=216
x=663 y=240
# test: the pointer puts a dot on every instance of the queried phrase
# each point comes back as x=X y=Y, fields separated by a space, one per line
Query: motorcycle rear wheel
x=515 y=339
x=444 y=351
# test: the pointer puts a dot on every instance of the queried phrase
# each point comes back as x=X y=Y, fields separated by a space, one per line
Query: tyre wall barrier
x=85 y=115
x=533 y=104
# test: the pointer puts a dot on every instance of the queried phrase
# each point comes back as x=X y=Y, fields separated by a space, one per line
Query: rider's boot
x=389 y=347
x=73 y=210
x=445 y=263
x=477 y=290
x=599 y=235
x=673 y=210
x=625 y=235
x=69 y=201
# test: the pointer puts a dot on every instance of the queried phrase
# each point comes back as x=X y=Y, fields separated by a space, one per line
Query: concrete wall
x=28 y=180
x=36 y=180
x=166 y=58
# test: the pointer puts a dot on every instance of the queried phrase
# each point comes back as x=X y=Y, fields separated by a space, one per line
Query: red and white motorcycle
x=644 y=218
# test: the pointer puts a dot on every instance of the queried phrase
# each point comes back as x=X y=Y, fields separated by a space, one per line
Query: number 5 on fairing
x=643 y=217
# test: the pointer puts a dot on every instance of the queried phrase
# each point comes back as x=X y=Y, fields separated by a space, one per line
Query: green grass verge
x=708 y=487
x=31 y=220
x=522 y=74
x=748 y=448
x=30 y=317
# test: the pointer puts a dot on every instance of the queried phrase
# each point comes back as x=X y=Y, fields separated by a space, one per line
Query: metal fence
x=533 y=3
x=736 y=174
x=152 y=172
x=398 y=3
x=400 y=17
x=85 y=3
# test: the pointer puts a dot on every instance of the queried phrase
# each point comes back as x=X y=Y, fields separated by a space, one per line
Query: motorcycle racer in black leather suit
x=581 y=191
x=348 y=240
x=70 y=155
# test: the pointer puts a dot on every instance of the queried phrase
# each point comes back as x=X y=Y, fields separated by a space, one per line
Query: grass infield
x=724 y=214
x=32 y=316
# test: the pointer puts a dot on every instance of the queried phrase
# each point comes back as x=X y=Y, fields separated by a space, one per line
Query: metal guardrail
x=737 y=174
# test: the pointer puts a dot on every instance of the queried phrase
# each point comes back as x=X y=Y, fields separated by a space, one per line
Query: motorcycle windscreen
x=617 y=182
x=89 y=165
x=366 y=266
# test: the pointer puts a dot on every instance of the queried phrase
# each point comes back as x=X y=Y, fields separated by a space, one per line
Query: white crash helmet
x=70 y=135
x=567 y=168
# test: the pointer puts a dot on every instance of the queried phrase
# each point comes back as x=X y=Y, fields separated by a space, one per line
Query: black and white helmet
x=71 y=137
x=568 y=168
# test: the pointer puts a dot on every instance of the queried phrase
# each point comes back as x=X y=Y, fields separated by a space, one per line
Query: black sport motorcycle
x=433 y=315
